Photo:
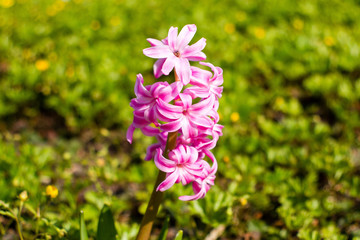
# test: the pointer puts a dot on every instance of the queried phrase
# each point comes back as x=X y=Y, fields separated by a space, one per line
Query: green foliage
x=164 y=229
x=106 y=227
x=83 y=232
x=289 y=157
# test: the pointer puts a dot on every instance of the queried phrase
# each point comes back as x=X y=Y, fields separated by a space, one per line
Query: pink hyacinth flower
x=204 y=82
x=203 y=184
x=177 y=53
x=185 y=116
x=182 y=166
x=145 y=105
x=147 y=97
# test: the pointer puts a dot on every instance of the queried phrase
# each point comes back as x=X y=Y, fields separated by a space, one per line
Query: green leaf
x=83 y=232
x=164 y=229
x=7 y=213
x=106 y=227
x=179 y=235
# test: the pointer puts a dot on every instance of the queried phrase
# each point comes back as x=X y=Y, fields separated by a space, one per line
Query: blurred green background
x=289 y=160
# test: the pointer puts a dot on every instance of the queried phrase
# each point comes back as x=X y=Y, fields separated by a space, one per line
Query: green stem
x=156 y=196
x=17 y=219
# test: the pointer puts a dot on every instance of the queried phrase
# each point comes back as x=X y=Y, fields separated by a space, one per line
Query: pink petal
x=158 y=51
x=172 y=126
x=182 y=67
x=130 y=133
x=199 y=76
x=198 y=92
x=158 y=66
x=172 y=38
x=150 y=151
x=168 y=182
x=169 y=64
x=204 y=106
x=186 y=100
x=139 y=88
x=162 y=163
x=185 y=36
x=196 y=56
x=150 y=131
x=186 y=128
x=154 y=42
x=202 y=122
x=194 y=49
x=198 y=195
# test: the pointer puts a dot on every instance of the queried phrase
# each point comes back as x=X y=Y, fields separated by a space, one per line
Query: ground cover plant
x=288 y=160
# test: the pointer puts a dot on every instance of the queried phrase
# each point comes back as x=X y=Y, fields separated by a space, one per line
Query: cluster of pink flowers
x=187 y=106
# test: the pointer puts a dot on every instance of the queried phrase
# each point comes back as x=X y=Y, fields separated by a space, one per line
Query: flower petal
x=158 y=66
x=194 y=49
x=154 y=42
x=162 y=163
x=172 y=126
x=172 y=37
x=130 y=133
x=168 y=182
x=182 y=67
x=169 y=64
x=185 y=36
x=158 y=51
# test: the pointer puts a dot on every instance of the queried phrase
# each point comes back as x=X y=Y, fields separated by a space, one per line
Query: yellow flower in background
x=7 y=3
x=23 y=196
x=298 y=24
x=259 y=33
x=115 y=21
x=42 y=64
x=229 y=28
x=279 y=102
x=226 y=159
x=243 y=201
x=104 y=132
x=52 y=191
x=329 y=41
x=234 y=117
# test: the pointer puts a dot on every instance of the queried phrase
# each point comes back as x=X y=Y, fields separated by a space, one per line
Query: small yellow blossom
x=243 y=201
x=259 y=33
x=226 y=159
x=100 y=162
x=67 y=155
x=95 y=25
x=229 y=28
x=234 y=117
x=115 y=21
x=329 y=41
x=52 y=191
x=59 y=5
x=279 y=102
x=7 y=3
x=104 y=132
x=42 y=64
x=298 y=24
x=23 y=196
